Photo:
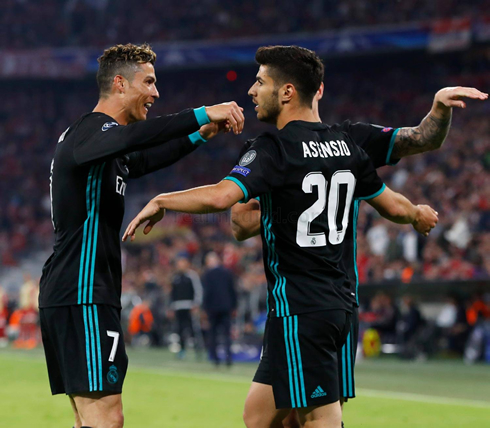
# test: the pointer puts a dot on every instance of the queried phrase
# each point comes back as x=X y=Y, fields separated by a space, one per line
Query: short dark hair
x=123 y=60
x=293 y=64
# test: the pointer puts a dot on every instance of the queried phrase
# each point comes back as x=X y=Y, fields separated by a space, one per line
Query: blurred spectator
x=453 y=326
x=378 y=237
x=478 y=344
x=154 y=294
x=185 y=300
x=102 y=22
x=479 y=309
x=386 y=316
x=220 y=303
x=29 y=294
x=409 y=328
x=3 y=317
x=140 y=324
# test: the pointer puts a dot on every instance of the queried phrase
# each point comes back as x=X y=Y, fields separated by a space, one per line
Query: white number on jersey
x=304 y=238
x=115 y=335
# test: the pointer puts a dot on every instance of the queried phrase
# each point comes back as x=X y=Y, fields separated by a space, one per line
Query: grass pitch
x=162 y=392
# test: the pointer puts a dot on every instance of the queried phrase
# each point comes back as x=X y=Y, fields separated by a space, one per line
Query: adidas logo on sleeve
x=319 y=392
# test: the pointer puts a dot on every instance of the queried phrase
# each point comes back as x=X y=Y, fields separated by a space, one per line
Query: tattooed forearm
x=429 y=135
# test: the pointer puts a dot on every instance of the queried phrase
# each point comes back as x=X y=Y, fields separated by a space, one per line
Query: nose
x=155 y=94
x=251 y=91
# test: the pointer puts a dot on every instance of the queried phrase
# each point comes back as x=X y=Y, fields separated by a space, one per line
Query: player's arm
x=391 y=205
x=200 y=200
x=433 y=129
x=153 y=159
x=398 y=209
x=259 y=169
x=245 y=220
x=111 y=141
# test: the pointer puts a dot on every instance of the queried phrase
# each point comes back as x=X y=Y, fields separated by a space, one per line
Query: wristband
x=196 y=138
x=201 y=116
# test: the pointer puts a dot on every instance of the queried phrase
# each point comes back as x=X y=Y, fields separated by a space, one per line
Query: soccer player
x=385 y=146
x=80 y=287
x=306 y=174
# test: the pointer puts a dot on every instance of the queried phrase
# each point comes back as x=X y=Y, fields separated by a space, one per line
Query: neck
x=290 y=113
x=112 y=107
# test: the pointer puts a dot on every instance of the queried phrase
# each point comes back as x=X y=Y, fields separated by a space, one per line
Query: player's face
x=264 y=93
x=141 y=94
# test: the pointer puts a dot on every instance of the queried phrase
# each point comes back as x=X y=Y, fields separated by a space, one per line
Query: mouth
x=147 y=106
x=256 y=105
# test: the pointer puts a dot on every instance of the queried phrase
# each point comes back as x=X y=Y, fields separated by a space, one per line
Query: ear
x=287 y=92
x=319 y=93
x=119 y=84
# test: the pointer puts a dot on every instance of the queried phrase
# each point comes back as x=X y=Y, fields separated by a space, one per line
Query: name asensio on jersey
x=325 y=149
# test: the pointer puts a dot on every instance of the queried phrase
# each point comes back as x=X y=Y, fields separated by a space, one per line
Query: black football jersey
x=93 y=160
x=377 y=142
x=307 y=176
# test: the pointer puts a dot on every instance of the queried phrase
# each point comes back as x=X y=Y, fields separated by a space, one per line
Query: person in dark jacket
x=220 y=302
x=186 y=298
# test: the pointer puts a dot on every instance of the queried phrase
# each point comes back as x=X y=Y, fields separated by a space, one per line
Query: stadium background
x=425 y=302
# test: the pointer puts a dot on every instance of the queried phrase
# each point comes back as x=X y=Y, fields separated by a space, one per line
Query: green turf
x=162 y=392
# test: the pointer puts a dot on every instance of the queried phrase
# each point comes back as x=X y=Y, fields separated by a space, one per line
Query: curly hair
x=123 y=60
x=293 y=64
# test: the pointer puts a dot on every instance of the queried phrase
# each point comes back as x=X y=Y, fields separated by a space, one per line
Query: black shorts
x=300 y=358
x=84 y=348
x=346 y=358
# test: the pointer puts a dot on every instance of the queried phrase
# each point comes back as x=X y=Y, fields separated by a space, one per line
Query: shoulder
x=89 y=123
x=342 y=127
x=263 y=139
x=354 y=128
x=98 y=120
x=267 y=141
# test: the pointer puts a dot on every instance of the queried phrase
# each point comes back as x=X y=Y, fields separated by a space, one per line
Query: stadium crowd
x=454 y=179
x=99 y=23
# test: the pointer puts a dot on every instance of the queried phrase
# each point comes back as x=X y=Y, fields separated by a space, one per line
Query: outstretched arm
x=245 y=220
x=200 y=200
x=151 y=160
x=433 y=129
x=112 y=140
x=398 y=209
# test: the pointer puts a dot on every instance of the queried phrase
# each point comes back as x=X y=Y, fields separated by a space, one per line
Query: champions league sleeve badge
x=109 y=125
x=248 y=158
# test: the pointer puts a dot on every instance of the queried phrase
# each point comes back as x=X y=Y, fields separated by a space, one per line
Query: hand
x=227 y=112
x=452 y=97
x=210 y=130
x=151 y=212
x=425 y=219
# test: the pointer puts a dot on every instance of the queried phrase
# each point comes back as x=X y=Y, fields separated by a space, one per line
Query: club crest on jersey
x=112 y=375
x=248 y=158
x=109 y=125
